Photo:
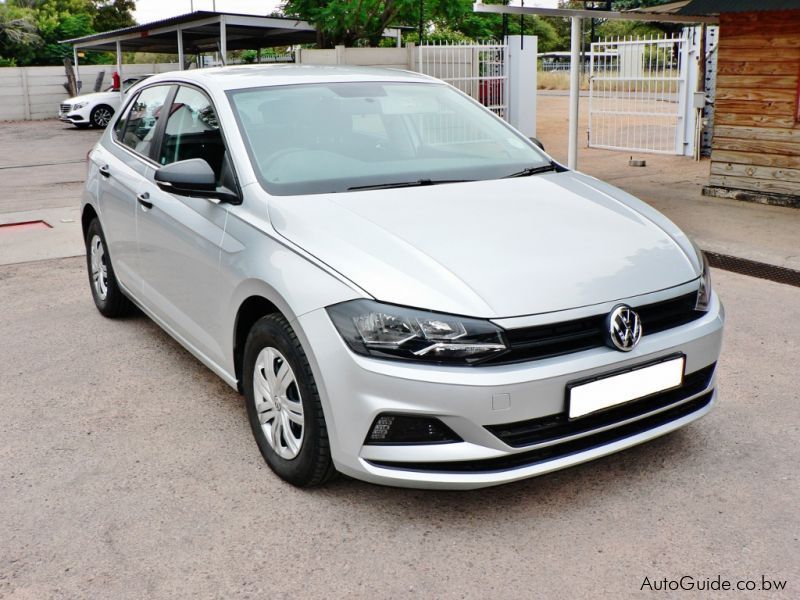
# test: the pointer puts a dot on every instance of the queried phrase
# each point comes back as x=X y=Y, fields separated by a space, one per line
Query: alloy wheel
x=101 y=117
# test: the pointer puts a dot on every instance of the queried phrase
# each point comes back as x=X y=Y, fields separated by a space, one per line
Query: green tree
x=481 y=26
x=113 y=14
x=18 y=34
x=55 y=20
x=363 y=21
x=346 y=22
x=68 y=27
x=17 y=28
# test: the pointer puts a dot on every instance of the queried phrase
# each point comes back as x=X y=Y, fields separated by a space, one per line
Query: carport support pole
x=223 y=41
x=574 y=92
x=77 y=70
x=119 y=71
x=181 y=59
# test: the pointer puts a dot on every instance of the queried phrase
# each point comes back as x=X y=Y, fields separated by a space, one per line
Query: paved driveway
x=127 y=470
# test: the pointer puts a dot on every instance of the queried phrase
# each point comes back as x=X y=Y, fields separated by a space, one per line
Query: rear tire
x=107 y=295
x=283 y=405
x=101 y=116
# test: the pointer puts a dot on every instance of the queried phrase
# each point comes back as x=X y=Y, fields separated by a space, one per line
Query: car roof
x=252 y=76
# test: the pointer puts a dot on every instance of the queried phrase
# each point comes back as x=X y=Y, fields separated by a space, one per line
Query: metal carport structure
x=197 y=32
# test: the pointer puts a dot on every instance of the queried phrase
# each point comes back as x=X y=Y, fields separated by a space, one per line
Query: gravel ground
x=127 y=470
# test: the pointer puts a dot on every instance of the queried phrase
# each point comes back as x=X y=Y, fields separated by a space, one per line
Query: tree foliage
x=362 y=22
x=349 y=22
x=113 y=14
x=31 y=29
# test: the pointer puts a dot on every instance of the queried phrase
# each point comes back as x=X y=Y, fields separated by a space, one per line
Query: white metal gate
x=479 y=70
x=638 y=94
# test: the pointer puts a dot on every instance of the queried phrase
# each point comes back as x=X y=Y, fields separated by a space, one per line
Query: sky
x=155 y=10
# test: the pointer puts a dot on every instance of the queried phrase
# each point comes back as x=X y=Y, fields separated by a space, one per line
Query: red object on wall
x=115 y=80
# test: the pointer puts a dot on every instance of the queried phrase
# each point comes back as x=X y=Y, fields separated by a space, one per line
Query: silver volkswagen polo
x=404 y=288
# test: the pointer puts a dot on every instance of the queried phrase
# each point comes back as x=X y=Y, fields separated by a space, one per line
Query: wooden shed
x=756 y=136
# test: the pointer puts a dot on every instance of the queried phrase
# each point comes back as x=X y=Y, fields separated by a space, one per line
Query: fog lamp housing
x=406 y=429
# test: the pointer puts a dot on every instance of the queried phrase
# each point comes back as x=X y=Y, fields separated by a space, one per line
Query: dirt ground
x=127 y=470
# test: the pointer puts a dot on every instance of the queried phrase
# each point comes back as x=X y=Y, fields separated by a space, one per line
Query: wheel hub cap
x=97 y=254
x=278 y=403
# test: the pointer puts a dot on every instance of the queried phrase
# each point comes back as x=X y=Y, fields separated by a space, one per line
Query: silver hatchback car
x=404 y=288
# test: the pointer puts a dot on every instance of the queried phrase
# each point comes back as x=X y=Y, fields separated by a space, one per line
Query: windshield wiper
x=533 y=171
x=403 y=184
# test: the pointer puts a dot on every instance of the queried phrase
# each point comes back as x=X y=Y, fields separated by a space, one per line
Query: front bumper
x=470 y=400
x=75 y=116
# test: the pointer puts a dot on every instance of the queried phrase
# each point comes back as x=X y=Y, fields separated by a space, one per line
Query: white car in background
x=95 y=109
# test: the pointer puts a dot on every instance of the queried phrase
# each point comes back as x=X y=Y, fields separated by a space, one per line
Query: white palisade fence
x=638 y=94
x=477 y=69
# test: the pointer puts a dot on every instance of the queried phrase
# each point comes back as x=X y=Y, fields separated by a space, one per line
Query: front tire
x=108 y=297
x=101 y=116
x=283 y=405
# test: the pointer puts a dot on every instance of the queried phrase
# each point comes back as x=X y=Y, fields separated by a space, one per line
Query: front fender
x=257 y=264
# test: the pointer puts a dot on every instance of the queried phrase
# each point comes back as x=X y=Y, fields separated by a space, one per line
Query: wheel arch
x=249 y=312
x=88 y=215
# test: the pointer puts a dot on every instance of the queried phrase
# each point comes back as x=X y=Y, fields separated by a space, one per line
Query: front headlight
x=79 y=105
x=704 y=293
x=383 y=330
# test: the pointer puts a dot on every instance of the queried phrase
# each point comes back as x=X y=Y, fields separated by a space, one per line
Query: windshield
x=322 y=138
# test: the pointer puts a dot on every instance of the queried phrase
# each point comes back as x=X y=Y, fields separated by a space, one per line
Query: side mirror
x=193 y=177
x=538 y=144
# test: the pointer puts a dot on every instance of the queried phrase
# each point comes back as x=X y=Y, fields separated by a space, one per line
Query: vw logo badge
x=624 y=328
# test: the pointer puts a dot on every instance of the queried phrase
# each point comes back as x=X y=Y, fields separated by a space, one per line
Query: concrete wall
x=393 y=58
x=35 y=92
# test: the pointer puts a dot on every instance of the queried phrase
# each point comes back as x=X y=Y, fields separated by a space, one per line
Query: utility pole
x=595 y=5
x=421 y=19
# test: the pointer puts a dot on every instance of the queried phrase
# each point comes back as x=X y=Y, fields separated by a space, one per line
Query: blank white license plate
x=617 y=389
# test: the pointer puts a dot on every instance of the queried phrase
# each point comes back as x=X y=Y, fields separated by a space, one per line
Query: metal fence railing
x=477 y=69
x=637 y=94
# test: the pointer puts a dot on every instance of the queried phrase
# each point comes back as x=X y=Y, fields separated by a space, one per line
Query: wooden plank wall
x=756 y=142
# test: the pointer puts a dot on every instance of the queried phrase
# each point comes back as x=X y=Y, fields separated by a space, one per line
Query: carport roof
x=715 y=7
x=201 y=32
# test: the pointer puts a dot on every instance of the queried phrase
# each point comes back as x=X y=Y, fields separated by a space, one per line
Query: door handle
x=144 y=200
x=105 y=171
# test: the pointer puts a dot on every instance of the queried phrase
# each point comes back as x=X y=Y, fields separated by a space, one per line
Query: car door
x=123 y=165
x=180 y=237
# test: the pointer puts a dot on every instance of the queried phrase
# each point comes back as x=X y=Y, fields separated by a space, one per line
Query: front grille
x=65 y=108
x=548 y=453
x=556 y=339
x=545 y=429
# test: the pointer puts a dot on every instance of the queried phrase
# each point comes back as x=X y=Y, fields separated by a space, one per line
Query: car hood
x=492 y=249
x=93 y=97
